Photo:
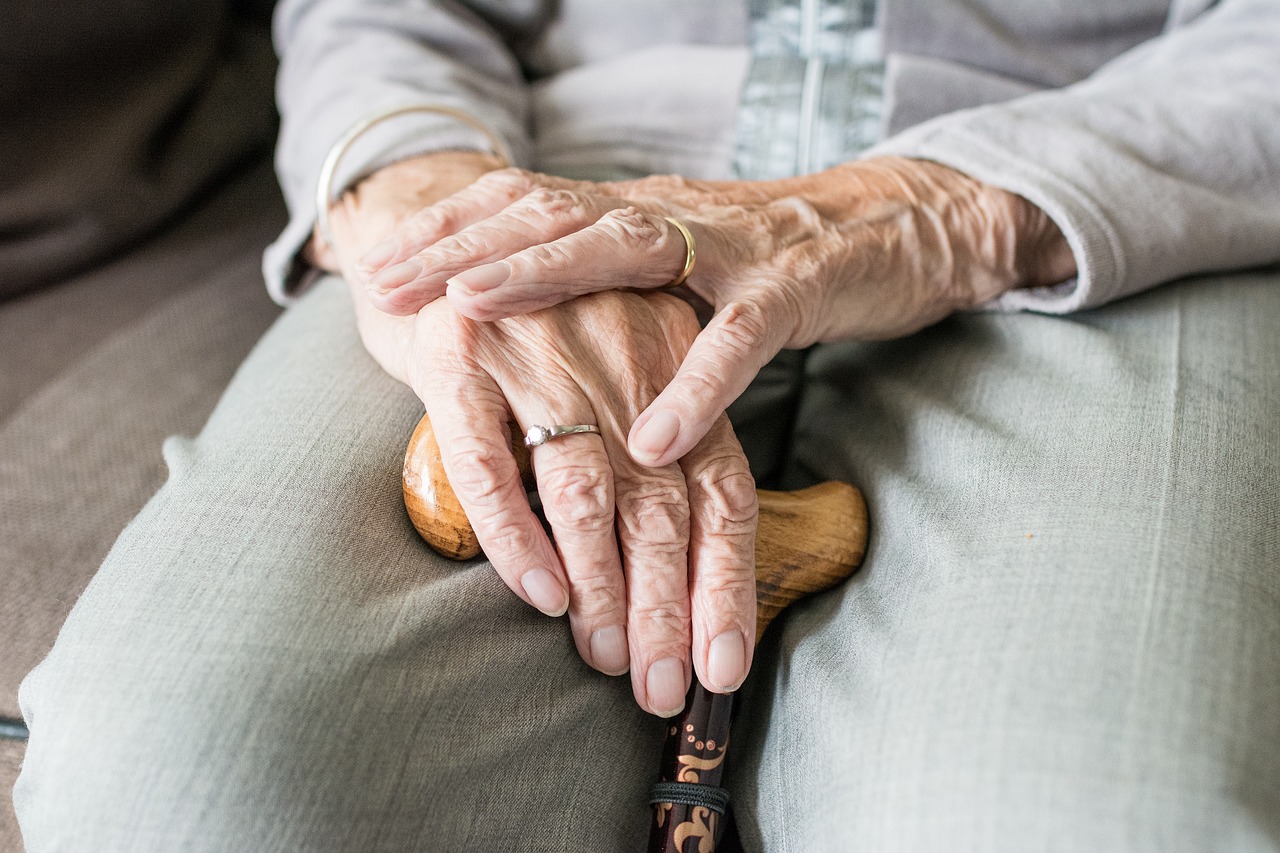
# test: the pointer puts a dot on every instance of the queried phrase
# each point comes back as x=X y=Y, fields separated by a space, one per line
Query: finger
x=489 y=194
x=394 y=263
x=722 y=529
x=621 y=247
x=724 y=358
x=475 y=449
x=542 y=216
x=576 y=486
x=653 y=534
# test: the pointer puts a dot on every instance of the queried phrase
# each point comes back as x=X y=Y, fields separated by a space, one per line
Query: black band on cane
x=690 y=794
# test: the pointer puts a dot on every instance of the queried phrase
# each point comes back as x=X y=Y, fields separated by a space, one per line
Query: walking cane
x=807 y=541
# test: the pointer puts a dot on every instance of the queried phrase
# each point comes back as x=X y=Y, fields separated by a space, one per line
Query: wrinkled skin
x=872 y=249
x=654 y=521
x=654 y=565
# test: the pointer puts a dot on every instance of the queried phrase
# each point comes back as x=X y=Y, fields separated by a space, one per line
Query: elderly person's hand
x=871 y=249
x=650 y=562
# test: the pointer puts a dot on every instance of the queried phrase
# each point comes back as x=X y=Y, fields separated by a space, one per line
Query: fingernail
x=480 y=279
x=396 y=276
x=378 y=257
x=665 y=685
x=657 y=434
x=545 y=592
x=726 y=662
x=609 y=650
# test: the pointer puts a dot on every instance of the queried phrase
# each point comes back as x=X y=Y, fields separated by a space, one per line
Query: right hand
x=651 y=563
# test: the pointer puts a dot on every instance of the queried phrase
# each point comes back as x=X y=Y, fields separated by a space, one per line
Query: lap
x=1067 y=629
x=269 y=659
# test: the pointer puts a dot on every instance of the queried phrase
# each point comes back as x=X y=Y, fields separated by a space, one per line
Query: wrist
x=1002 y=240
x=1010 y=242
x=375 y=205
x=1045 y=257
x=417 y=182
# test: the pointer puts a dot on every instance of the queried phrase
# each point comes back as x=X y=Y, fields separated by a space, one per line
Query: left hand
x=876 y=248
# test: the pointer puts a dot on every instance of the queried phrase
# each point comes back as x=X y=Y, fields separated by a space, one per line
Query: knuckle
x=731 y=592
x=701 y=380
x=480 y=473
x=578 y=498
x=732 y=599
x=465 y=245
x=597 y=594
x=544 y=257
x=614 y=309
x=744 y=328
x=630 y=227
x=425 y=225
x=511 y=183
x=506 y=541
x=797 y=215
x=661 y=186
x=730 y=493
x=790 y=300
x=457 y=348
x=656 y=517
x=741 y=338
x=549 y=203
x=665 y=619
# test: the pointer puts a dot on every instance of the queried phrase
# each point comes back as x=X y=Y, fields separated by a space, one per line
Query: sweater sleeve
x=342 y=61
x=1163 y=163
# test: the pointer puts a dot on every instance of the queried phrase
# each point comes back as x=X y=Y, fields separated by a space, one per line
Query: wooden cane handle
x=807 y=541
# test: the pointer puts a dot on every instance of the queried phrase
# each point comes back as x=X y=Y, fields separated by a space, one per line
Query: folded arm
x=1163 y=163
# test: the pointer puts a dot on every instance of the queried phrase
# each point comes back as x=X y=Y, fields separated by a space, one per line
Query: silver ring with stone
x=539 y=434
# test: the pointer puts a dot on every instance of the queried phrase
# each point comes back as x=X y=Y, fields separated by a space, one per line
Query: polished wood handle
x=807 y=541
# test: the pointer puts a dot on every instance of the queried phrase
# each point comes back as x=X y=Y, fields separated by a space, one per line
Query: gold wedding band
x=690 y=253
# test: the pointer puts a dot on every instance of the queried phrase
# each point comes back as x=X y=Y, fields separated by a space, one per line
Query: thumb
x=719 y=366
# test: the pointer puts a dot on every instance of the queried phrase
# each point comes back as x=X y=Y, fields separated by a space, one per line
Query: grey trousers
x=1066 y=635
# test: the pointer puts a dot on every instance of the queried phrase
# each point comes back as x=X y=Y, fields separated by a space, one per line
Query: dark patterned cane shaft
x=697 y=739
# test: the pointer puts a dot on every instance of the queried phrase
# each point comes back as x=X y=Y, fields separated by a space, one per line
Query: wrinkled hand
x=872 y=249
x=676 y=569
x=650 y=562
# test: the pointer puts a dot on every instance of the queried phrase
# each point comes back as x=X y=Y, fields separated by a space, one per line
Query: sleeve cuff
x=283 y=269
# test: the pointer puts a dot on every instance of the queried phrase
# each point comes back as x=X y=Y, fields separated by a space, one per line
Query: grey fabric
x=1065 y=636
x=270 y=659
x=1165 y=162
x=670 y=126
x=94 y=373
x=601 y=75
x=1174 y=105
